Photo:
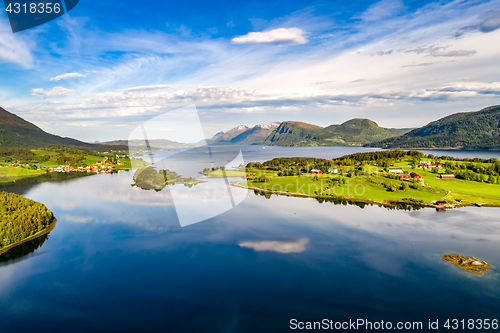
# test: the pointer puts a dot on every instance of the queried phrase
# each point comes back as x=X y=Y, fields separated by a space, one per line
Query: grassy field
x=363 y=188
x=127 y=164
x=358 y=187
x=18 y=172
x=10 y=179
x=229 y=173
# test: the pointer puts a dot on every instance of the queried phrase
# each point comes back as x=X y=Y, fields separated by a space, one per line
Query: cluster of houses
x=428 y=165
x=94 y=168
x=424 y=165
x=409 y=176
x=319 y=172
x=402 y=175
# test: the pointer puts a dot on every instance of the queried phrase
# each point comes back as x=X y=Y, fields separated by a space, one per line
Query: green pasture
x=18 y=172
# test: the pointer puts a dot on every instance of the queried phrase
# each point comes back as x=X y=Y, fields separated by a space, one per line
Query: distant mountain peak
x=218 y=134
x=360 y=122
x=272 y=125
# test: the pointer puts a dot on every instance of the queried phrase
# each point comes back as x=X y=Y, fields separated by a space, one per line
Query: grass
x=466 y=186
x=127 y=164
x=91 y=159
x=9 y=179
x=472 y=199
x=17 y=172
x=229 y=173
x=358 y=187
x=362 y=188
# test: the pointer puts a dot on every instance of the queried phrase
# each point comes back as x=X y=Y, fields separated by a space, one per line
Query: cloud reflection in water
x=280 y=246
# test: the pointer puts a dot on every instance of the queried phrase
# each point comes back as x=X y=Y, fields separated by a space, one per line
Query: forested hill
x=17 y=132
x=21 y=218
x=352 y=132
x=465 y=130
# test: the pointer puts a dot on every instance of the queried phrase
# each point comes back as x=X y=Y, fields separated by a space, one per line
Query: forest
x=21 y=218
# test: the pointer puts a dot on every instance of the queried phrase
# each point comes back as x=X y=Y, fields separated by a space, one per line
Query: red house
x=406 y=177
x=316 y=172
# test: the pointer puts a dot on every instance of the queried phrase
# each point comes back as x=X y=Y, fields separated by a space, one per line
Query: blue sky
x=103 y=69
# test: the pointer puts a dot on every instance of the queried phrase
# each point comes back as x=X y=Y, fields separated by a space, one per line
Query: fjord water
x=118 y=260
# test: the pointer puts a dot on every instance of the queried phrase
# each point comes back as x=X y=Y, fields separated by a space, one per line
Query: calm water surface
x=118 y=260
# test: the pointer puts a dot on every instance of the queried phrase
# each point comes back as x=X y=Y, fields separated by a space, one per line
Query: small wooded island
x=391 y=177
x=21 y=219
x=149 y=178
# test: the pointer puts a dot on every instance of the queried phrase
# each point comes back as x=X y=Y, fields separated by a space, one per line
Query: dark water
x=118 y=260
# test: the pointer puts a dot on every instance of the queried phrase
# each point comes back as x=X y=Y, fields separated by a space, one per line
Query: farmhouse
x=428 y=165
x=404 y=177
x=395 y=170
x=333 y=170
x=415 y=175
x=443 y=176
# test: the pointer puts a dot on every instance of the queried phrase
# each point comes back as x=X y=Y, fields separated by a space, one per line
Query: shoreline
x=393 y=203
x=38 y=234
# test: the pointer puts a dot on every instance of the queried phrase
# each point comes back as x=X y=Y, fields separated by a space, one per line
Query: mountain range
x=17 y=132
x=294 y=133
x=154 y=143
x=243 y=135
x=351 y=132
x=465 y=130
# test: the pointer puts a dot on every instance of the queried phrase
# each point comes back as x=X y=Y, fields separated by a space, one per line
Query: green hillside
x=465 y=130
x=352 y=132
x=17 y=132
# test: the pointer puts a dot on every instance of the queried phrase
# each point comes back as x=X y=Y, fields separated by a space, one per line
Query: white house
x=396 y=170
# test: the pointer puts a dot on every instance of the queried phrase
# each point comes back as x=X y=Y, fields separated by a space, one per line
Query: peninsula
x=385 y=177
x=22 y=219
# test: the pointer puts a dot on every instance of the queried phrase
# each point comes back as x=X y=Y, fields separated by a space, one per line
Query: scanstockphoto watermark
x=171 y=150
x=365 y=324
x=358 y=324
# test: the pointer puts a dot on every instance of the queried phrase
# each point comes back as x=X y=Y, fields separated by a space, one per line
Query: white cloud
x=14 y=48
x=149 y=88
x=383 y=9
x=276 y=36
x=55 y=92
x=67 y=76
x=131 y=102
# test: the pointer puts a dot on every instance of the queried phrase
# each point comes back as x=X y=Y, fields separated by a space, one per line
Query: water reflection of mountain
x=23 y=185
x=22 y=250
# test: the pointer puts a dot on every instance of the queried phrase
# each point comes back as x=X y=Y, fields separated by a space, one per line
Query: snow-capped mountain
x=244 y=135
